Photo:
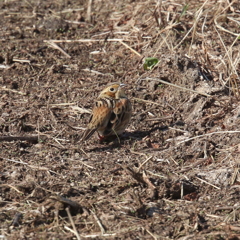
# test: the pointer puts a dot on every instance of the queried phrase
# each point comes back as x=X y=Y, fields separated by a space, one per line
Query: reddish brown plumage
x=111 y=113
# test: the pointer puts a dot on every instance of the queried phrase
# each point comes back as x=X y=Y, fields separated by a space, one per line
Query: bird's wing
x=99 y=120
x=121 y=113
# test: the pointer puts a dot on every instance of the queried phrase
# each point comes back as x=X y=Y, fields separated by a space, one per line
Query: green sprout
x=150 y=63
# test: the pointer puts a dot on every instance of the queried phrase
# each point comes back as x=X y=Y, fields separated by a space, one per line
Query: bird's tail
x=87 y=134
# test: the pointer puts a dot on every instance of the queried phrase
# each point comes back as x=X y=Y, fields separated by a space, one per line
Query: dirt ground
x=174 y=174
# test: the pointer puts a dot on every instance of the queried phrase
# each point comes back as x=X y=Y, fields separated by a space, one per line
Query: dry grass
x=174 y=174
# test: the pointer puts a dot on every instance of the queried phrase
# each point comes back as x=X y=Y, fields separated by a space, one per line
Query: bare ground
x=174 y=174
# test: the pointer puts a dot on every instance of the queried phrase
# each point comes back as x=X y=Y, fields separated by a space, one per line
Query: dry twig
x=98 y=222
x=176 y=86
x=73 y=224
x=55 y=46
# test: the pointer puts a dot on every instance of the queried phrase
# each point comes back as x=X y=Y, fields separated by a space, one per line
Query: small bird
x=111 y=113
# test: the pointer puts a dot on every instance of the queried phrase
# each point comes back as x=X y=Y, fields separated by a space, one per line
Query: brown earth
x=174 y=174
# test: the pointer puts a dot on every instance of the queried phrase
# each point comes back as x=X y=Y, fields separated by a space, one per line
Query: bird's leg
x=101 y=138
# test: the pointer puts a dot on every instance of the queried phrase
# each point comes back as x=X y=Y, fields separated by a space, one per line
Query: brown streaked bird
x=111 y=113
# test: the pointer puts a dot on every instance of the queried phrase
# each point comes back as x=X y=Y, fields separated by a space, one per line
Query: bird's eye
x=111 y=89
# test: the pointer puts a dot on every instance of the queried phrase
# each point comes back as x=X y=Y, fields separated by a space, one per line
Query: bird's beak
x=122 y=85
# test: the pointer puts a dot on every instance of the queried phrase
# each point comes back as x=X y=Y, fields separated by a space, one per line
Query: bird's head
x=114 y=91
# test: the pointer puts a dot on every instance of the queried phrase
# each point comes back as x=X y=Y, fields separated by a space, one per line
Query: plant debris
x=174 y=173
